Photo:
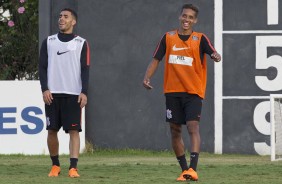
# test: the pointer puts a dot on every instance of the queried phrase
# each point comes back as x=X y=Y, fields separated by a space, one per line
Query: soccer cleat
x=55 y=171
x=73 y=173
x=181 y=177
x=190 y=174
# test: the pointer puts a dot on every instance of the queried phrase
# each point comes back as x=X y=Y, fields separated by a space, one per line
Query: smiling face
x=187 y=20
x=66 y=22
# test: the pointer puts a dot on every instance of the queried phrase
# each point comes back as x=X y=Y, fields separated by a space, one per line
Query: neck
x=66 y=32
x=185 y=32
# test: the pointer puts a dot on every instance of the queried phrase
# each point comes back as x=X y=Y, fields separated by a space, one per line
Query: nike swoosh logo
x=60 y=53
x=174 y=48
x=74 y=125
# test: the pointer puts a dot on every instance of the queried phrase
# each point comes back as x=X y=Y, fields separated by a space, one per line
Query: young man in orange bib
x=185 y=78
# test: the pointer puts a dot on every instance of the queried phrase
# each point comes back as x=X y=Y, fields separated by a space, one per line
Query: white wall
x=22 y=120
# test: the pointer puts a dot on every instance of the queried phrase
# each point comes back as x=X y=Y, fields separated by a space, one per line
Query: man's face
x=187 y=19
x=66 y=22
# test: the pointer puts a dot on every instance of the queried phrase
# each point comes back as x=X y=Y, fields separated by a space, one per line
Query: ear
x=196 y=20
x=73 y=22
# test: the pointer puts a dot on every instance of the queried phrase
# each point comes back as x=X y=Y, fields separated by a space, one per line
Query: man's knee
x=73 y=133
x=193 y=127
x=175 y=130
x=52 y=132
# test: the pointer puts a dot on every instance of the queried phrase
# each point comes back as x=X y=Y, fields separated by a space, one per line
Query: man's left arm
x=85 y=64
x=207 y=47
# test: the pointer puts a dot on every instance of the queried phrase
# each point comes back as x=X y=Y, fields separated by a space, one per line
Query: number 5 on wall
x=264 y=62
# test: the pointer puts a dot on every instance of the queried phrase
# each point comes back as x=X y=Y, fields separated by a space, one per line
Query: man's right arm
x=157 y=57
x=150 y=72
x=43 y=65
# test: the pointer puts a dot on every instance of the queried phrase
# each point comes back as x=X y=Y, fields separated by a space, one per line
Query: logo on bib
x=174 y=48
x=60 y=53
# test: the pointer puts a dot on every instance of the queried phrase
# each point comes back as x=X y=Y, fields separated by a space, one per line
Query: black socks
x=55 y=160
x=182 y=162
x=194 y=160
x=73 y=162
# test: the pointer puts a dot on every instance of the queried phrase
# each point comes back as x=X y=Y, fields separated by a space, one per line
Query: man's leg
x=74 y=143
x=178 y=147
x=176 y=139
x=74 y=147
x=53 y=142
x=194 y=133
x=195 y=141
x=53 y=146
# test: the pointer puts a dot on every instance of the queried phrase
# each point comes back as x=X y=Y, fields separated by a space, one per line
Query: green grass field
x=141 y=167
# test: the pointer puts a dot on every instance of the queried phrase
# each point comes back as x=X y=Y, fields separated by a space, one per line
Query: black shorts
x=182 y=109
x=63 y=112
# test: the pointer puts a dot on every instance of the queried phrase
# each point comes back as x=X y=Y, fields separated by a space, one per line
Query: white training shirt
x=64 y=68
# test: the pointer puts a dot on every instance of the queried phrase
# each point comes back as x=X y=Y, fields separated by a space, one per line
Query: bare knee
x=52 y=133
x=74 y=133
x=193 y=127
x=175 y=131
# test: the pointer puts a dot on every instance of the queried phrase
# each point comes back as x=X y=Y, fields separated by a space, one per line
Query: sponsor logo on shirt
x=52 y=38
x=78 y=40
x=174 y=48
x=195 y=38
x=180 y=60
x=172 y=33
x=60 y=53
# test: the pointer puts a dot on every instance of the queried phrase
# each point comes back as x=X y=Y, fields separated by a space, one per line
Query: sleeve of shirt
x=206 y=46
x=43 y=65
x=161 y=49
x=85 y=64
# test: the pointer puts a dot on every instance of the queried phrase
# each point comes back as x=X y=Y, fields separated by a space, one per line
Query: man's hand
x=149 y=73
x=47 y=97
x=82 y=99
x=146 y=84
x=216 y=57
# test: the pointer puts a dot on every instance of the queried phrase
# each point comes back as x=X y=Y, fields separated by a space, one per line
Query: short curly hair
x=190 y=6
x=73 y=13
